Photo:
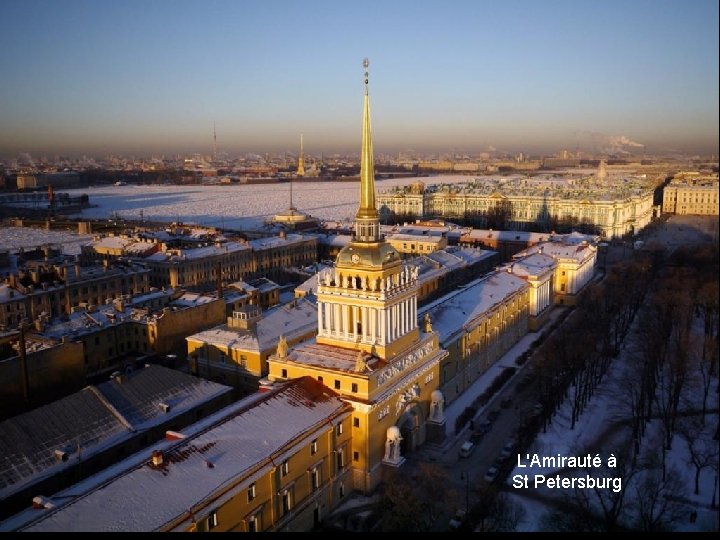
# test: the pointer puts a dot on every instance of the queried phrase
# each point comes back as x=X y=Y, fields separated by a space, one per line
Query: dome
x=373 y=255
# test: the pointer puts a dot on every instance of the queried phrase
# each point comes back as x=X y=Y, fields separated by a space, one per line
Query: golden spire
x=367 y=208
x=301 y=160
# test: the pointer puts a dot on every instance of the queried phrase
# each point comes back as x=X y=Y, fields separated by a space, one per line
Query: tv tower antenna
x=214 y=142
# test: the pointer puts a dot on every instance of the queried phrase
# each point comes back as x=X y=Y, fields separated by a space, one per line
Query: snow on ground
x=605 y=409
x=235 y=206
x=14 y=238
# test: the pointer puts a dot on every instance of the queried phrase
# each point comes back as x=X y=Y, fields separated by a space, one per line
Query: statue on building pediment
x=282 y=348
x=392 y=445
x=437 y=405
x=427 y=321
x=361 y=362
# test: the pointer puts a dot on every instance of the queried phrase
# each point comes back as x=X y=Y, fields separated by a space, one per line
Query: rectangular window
x=287 y=501
x=251 y=492
x=313 y=447
x=285 y=468
x=337 y=384
x=356 y=422
x=339 y=429
x=356 y=456
x=320 y=379
x=284 y=373
x=340 y=460
x=254 y=522
x=315 y=479
x=212 y=520
x=354 y=387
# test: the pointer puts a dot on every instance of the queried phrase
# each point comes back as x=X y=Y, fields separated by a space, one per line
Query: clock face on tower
x=355 y=258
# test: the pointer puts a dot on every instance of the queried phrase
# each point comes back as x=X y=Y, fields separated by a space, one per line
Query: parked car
x=507 y=449
x=484 y=427
x=467 y=448
x=491 y=475
x=457 y=520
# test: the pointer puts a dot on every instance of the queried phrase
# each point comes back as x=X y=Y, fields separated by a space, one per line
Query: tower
x=602 y=170
x=368 y=269
x=214 y=156
x=369 y=348
x=301 y=159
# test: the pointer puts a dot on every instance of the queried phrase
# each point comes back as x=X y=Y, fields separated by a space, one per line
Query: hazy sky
x=150 y=76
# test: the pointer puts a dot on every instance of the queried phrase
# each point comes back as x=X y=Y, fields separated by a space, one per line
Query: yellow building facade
x=236 y=353
x=691 y=193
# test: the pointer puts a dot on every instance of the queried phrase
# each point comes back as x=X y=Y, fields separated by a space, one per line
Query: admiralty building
x=609 y=206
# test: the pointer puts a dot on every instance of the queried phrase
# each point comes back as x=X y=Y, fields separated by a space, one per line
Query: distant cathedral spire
x=301 y=159
x=367 y=219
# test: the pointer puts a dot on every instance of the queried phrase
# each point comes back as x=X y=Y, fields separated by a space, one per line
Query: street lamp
x=465 y=475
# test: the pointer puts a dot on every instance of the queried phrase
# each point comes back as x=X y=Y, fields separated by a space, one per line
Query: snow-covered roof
x=409 y=237
x=451 y=313
x=190 y=299
x=95 y=418
x=329 y=357
x=470 y=255
x=561 y=251
x=127 y=244
x=532 y=265
x=277 y=241
x=289 y=320
x=505 y=236
x=240 y=445
x=199 y=252
x=9 y=294
x=335 y=240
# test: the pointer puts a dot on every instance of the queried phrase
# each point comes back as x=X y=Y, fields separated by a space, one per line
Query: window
x=320 y=379
x=222 y=358
x=315 y=478
x=337 y=384
x=562 y=286
x=339 y=429
x=251 y=492
x=283 y=373
x=341 y=490
x=340 y=460
x=354 y=387
x=356 y=456
x=286 y=501
x=254 y=522
x=212 y=520
x=285 y=468
x=356 y=422
x=313 y=447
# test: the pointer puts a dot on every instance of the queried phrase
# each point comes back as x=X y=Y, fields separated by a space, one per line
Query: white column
x=321 y=319
x=414 y=312
x=336 y=318
x=383 y=328
x=401 y=310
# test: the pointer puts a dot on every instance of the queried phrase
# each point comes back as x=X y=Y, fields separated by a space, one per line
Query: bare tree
x=701 y=446
x=656 y=500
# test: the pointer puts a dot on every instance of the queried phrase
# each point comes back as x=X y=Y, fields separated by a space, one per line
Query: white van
x=466 y=449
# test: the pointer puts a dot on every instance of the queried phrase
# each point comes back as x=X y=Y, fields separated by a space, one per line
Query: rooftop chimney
x=157 y=458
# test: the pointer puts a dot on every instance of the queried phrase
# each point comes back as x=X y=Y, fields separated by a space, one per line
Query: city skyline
x=153 y=77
